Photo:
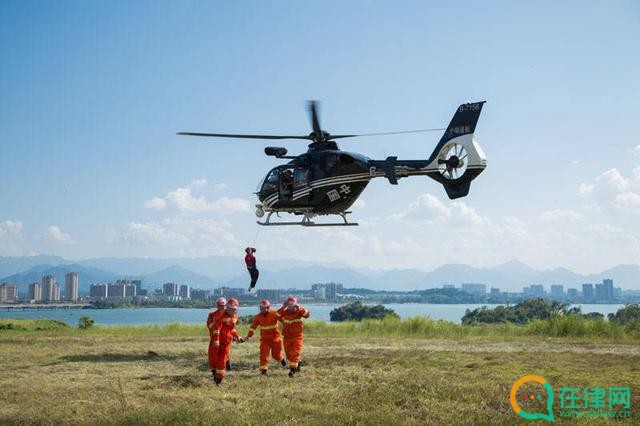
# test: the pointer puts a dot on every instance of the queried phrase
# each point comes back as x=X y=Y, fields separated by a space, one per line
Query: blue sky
x=93 y=94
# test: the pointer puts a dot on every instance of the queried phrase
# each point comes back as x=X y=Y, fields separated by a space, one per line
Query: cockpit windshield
x=270 y=182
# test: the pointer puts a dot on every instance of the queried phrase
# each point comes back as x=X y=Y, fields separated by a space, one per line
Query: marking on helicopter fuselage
x=333 y=195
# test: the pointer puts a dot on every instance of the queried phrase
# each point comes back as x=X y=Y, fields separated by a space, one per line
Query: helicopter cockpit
x=284 y=179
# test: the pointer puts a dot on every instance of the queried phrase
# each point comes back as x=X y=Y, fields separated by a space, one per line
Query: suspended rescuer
x=250 y=261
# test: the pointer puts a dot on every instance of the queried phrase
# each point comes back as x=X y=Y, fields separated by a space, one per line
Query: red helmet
x=232 y=303
x=221 y=301
x=291 y=301
x=265 y=303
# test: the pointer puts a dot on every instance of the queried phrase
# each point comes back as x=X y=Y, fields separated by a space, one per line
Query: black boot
x=283 y=362
x=228 y=365
x=292 y=372
x=264 y=372
x=217 y=381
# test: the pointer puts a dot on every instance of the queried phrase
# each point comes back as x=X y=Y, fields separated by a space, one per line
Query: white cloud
x=220 y=186
x=9 y=227
x=56 y=235
x=11 y=238
x=628 y=201
x=156 y=203
x=184 y=200
x=426 y=206
x=182 y=235
x=564 y=215
x=636 y=150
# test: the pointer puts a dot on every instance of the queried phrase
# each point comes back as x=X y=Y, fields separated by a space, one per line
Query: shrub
x=85 y=322
x=357 y=311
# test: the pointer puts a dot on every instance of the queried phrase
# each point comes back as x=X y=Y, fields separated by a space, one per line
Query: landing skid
x=306 y=221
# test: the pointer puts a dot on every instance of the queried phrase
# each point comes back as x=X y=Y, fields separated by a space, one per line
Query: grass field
x=420 y=372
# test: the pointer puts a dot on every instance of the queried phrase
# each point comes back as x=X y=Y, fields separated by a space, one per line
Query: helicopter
x=327 y=181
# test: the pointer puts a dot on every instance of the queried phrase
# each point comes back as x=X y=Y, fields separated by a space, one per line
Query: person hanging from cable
x=250 y=260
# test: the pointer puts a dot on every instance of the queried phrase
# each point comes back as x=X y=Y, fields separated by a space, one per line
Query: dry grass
x=155 y=375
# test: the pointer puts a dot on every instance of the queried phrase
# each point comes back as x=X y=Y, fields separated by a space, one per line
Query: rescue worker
x=226 y=326
x=250 y=261
x=213 y=332
x=291 y=316
x=270 y=341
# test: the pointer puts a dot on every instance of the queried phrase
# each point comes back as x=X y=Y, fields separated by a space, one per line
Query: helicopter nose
x=259 y=210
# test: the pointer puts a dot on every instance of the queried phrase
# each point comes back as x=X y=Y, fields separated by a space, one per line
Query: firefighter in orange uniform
x=226 y=326
x=291 y=316
x=270 y=341
x=213 y=332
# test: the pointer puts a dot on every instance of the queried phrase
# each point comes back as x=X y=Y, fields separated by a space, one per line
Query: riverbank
x=163 y=316
x=420 y=372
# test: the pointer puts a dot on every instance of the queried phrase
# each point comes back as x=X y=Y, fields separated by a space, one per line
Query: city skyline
x=92 y=102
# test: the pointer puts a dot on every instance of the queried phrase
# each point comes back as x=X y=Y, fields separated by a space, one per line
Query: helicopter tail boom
x=455 y=161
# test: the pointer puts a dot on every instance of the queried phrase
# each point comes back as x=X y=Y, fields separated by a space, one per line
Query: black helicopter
x=326 y=180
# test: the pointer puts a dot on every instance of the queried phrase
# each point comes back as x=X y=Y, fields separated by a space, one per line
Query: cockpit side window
x=300 y=177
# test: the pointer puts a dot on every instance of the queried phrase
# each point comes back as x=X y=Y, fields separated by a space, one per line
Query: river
x=161 y=316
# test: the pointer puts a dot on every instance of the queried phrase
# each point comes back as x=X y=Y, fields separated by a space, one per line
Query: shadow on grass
x=120 y=357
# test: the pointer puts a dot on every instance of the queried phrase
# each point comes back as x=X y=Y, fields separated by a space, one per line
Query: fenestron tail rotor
x=453 y=161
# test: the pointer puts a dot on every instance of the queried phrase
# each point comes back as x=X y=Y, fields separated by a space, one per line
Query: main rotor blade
x=386 y=133
x=315 y=123
x=228 y=135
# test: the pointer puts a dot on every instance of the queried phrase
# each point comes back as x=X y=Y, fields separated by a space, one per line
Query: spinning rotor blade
x=228 y=135
x=315 y=123
x=386 y=133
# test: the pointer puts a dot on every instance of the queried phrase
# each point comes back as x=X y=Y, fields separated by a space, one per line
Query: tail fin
x=457 y=157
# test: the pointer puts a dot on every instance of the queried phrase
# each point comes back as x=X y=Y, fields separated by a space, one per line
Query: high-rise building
x=587 y=292
x=200 y=294
x=557 y=291
x=138 y=284
x=185 y=292
x=473 y=288
x=35 y=292
x=229 y=292
x=273 y=295
x=170 y=290
x=99 y=291
x=537 y=290
x=8 y=293
x=494 y=292
x=607 y=284
x=572 y=293
x=71 y=286
x=319 y=292
x=601 y=295
x=50 y=289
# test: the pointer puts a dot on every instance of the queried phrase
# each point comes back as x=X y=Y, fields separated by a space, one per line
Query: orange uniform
x=213 y=336
x=269 y=337
x=226 y=326
x=292 y=332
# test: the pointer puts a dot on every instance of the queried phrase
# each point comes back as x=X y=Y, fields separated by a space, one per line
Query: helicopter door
x=285 y=187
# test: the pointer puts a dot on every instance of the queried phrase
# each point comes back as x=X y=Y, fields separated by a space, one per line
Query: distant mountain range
x=216 y=271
